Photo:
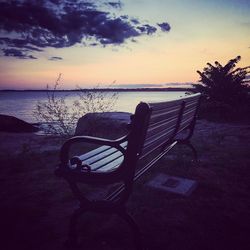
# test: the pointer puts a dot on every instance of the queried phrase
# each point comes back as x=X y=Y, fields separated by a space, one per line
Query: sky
x=129 y=42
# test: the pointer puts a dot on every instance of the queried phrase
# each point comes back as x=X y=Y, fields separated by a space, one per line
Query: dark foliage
x=226 y=91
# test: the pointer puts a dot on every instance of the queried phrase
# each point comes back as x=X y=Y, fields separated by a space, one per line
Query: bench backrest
x=167 y=120
x=155 y=126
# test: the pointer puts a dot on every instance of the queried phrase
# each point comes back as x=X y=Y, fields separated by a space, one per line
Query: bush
x=225 y=91
x=61 y=118
x=219 y=111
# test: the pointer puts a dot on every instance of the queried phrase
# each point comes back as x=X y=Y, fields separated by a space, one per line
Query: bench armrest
x=64 y=153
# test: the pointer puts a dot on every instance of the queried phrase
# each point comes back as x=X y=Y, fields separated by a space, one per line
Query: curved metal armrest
x=64 y=153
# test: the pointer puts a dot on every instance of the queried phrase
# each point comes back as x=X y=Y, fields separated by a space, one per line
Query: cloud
x=55 y=58
x=17 y=53
x=164 y=26
x=117 y=5
x=32 y=26
x=147 y=29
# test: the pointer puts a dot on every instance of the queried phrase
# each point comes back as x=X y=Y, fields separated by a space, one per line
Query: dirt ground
x=35 y=206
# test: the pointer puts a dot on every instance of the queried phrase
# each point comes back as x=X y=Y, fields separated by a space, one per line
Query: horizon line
x=100 y=89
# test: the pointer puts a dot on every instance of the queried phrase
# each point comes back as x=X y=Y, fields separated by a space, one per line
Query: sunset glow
x=201 y=32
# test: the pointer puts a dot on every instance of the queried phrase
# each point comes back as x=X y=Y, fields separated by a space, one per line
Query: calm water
x=22 y=104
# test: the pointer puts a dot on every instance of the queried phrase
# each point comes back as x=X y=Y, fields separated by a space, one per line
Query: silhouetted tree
x=225 y=84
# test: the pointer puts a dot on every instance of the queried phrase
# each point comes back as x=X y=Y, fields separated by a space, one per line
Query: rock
x=13 y=124
x=105 y=123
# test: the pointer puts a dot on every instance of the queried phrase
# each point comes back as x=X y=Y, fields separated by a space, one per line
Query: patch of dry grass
x=35 y=206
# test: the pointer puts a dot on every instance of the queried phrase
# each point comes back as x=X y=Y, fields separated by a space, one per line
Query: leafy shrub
x=224 y=83
x=61 y=117
x=225 y=90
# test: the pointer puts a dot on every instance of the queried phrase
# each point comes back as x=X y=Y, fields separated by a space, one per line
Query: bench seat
x=101 y=159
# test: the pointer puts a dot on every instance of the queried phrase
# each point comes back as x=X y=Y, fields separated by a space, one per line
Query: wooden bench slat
x=94 y=152
x=112 y=165
x=98 y=151
x=156 y=143
x=164 y=110
x=99 y=157
x=191 y=104
x=163 y=117
x=153 y=137
x=189 y=112
x=172 y=112
x=150 y=150
x=164 y=113
x=106 y=160
x=161 y=127
x=96 y=158
x=160 y=105
x=185 y=124
x=164 y=105
x=161 y=122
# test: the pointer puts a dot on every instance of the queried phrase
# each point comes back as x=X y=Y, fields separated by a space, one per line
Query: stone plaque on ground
x=173 y=184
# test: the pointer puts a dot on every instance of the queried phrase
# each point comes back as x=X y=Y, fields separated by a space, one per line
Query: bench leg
x=72 y=236
x=189 y=144
x=193 y=150
x=135 y=229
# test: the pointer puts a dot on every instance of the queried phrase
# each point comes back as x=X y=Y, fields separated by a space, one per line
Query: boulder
x=103 y=124
x=13 y=124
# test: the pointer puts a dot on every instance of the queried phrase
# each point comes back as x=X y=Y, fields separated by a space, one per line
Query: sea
x=22 y=104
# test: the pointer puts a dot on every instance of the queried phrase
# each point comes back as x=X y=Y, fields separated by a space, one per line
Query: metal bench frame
x=126 y=172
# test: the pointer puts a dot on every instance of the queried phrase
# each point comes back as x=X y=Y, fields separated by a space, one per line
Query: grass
x=35 y=206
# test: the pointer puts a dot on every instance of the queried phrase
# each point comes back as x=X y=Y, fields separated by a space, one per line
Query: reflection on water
x=23 y=104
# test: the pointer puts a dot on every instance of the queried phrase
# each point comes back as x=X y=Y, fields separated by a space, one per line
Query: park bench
x=154 y=130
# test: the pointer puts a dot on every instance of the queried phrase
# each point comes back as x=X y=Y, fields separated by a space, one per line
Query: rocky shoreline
x=112 y=125
x=12 y=124
x=32 y=137
x=87 y=124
